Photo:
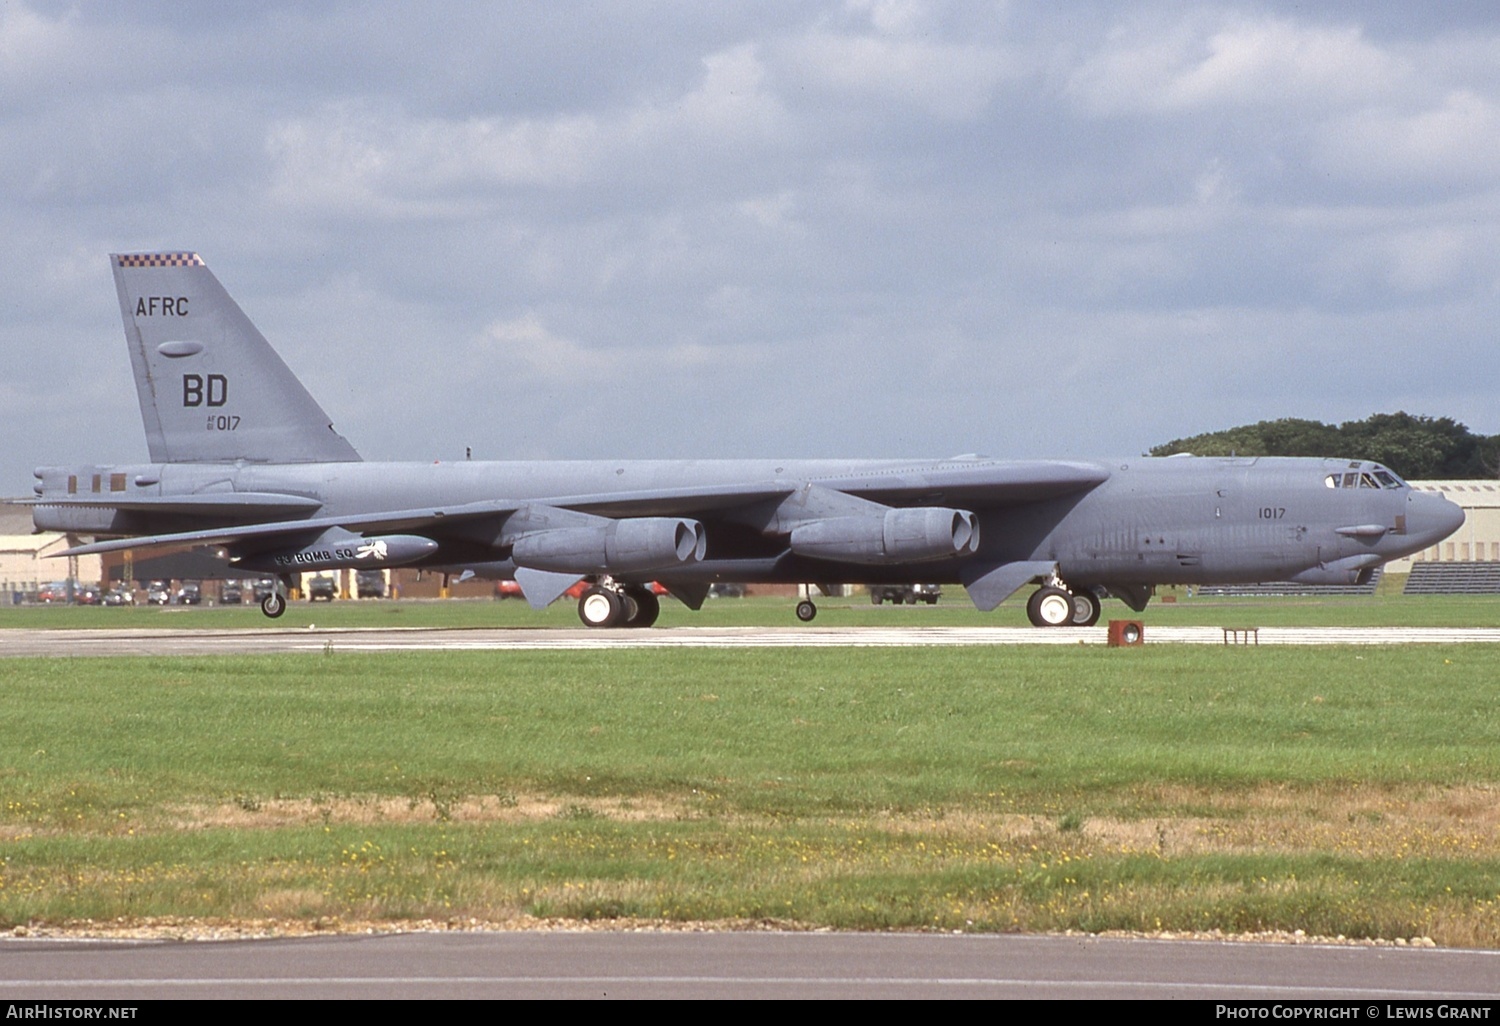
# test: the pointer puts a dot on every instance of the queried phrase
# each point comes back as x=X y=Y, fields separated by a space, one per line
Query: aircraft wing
x=987 y=483
x=629 y=504
x=397 y=520
x=980 y=482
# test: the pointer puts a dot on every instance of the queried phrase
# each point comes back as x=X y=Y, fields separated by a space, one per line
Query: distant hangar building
x=1469 y=560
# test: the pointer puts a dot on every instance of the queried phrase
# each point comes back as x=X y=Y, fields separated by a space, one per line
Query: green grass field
x=1340 y=791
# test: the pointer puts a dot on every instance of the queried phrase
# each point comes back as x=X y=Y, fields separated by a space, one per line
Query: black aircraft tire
x=600 y=607
x=273 y=605
x=1050 y=607
x=806 y=611
x=647 y=607
x=1085 y=608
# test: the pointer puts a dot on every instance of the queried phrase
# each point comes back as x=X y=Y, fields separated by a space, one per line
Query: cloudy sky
x=857 y=228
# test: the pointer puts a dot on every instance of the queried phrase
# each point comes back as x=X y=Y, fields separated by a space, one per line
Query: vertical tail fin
x=211 y=387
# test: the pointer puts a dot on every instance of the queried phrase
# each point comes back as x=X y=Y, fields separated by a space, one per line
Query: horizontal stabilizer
x=397 y=520
x=207 y=504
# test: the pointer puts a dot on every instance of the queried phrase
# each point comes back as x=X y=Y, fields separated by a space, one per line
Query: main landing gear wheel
x=647 y=607
x=273 y=605
x=1050 y=607
x=600 y=607
x=1085 y=608
x=806 y=610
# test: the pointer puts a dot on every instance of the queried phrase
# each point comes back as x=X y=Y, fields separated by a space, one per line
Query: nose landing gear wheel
x=806 y=611
x=1050 y=607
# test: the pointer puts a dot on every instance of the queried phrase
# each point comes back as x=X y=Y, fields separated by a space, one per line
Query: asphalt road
x=23 y=642
x=743 y=965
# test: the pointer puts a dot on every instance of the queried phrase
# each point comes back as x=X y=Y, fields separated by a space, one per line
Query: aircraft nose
x=1431 y=518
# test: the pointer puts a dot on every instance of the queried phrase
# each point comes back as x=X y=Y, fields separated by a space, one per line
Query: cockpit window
x=1377 y=477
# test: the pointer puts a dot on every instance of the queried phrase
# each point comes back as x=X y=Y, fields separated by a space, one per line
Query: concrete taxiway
x=291 y=639
x=603 y=964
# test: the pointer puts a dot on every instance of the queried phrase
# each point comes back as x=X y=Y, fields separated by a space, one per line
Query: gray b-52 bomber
x=244 y=460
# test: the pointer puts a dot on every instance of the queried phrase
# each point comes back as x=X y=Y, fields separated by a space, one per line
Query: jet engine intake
x=614 y=547
x=899 y=536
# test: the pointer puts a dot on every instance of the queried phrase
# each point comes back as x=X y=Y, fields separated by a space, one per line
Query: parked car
x=369 y=584
x=322 y=587
x=190 y=594
x=158 y=593
x=53 y=592
x=726 y=589
x=910 y=594
x=231 y=593
x=262 y=589
x=120 y=595
x=86 y=595
x=507 y=589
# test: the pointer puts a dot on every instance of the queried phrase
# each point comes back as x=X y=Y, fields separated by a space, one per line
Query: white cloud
x=31 y=44
x=747 y=228
x=1452 y=140
x=950 y=81
x=525 y=346
x=1212 y=61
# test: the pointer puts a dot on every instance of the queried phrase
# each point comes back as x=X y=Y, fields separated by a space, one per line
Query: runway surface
x=744 y=965
x=290 y=639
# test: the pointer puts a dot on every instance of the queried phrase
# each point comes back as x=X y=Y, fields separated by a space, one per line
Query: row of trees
x=1420 y=448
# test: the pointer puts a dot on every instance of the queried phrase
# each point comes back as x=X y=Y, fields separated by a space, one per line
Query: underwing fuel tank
x=1346 y=571
x=337 y=550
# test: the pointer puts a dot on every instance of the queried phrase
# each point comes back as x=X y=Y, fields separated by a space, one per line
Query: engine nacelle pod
x=899 y=536
x=635 y=545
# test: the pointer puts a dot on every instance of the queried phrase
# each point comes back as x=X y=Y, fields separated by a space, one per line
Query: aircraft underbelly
x=1221 y=553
